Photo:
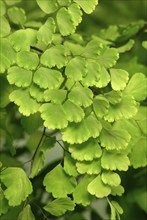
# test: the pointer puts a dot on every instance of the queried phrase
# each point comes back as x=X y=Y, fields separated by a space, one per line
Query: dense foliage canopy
x=73 y=110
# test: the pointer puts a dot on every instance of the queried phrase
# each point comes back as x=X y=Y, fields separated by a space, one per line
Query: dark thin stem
x=62 y=147
x=39 y=143
x=32 y=159
x=37 y=49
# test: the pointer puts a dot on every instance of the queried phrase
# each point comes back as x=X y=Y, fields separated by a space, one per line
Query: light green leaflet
x=46 y=31
x=112 y=160
x=117 y=190
x=36 y=92
x=87 y=6
x=56 y=96
x=27 y=60
x=82 y=131
x=64 y=22
x=47 y=78
x=59 y=206
x=89 y=167
x=98 y=188
x=7 y=55
x=5 y=27
x=27 y=105
x=86 y=151
x=54 y=116
x=49 y=6
x=19 y=17
x=2 y=8
x=12 y=194
x=74 y=113
x=54 y=56
x=81 y=96
x=76 y=69
x=127 y=108
x=116 y=210
x=19 y=76
x=75 y=13
x=80 y=194
x=138 y=155
x=137 y=87
x=110 y=178
x=70 y=165
x=92 y=75
x=119 y=79
x=114 y=139
x=100 y=106
x=59 y=183
x=22 y=39
x=26 y=214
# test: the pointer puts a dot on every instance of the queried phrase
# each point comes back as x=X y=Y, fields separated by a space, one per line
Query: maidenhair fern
x=75 y=88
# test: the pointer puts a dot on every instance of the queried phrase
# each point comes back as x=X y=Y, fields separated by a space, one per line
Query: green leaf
x=7 y=55
x=80 y=194
x=100 y=106
x=114 y=139
x=113 y=96
x=115 y=210
x=92 y=50
x=144 y=44
x=64 y=2
x=114 y=161
x=76 y=69
x=19 y=17
x=87 y=151
x=117 y=190
x=119 y=79
x=64 y=21
x=46 y=31
x=12 y=2
x=26 y=214
x=104 y=78
x=54 y=56
x=70 y=165
x=108 y=57
x=74 y=113
x=47 y=78
x=48 y=7
x=81 y=96
x=56 y=96
x=75 y=13
x=39 y=159
x=89 y=167
x=31 y=123
x=111 y=178
x=36 y=92
x=5 y=27
x=27 y=105
x=92 y=74
x=54 y=116
x=138 y=155
x=12 y=194
x=127 y=108
x=128 y=46
x=59 y=183
x=27 y=60
x=19 y=76
x=137 y=87
x=98 y=188
x=5 y=90
x=59 y=206
x=77 y=133
x=2 y=8
x=87 y=6
x=3 y=204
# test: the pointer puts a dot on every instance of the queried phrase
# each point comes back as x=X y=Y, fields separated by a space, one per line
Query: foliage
x=85 y=94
